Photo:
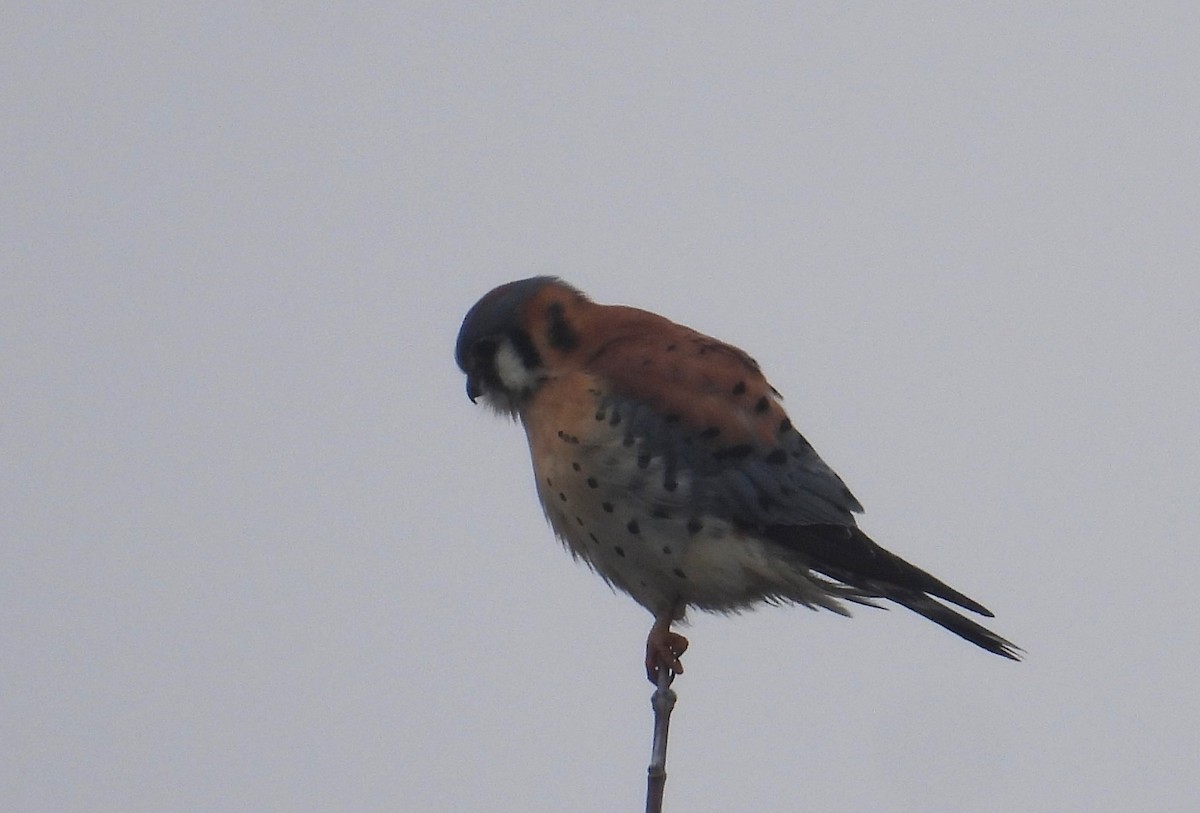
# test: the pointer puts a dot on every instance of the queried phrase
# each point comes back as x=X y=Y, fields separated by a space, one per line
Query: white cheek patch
x=511 y=370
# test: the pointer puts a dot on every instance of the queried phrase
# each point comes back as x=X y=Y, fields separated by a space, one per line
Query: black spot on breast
x=733 y=452
x=679 y=572
x=562 y=496
x=777 y=457
x=694 y=526
x=785 y=426
x=633 y=527
x=615 y=419
x=593 y=482
x=627 y=441
x=576 y=466
x=643 y=459
x=670 y=485
x=607 y=506
x=739 y=388
x=593 y=538
x=601 y=414
x=620 y=551
x=549 y=483
x=660 y=513
x=667 y=550
x=560 y=334
x=671 y=348
x=579 y=521
x=762 y=404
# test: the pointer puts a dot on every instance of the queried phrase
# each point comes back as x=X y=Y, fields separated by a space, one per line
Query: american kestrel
x=665 y=460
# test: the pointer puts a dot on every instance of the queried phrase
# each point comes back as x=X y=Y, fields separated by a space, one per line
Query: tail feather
x=957 y=623
x=846 y=554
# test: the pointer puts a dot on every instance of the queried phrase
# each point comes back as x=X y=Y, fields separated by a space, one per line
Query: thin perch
x=662 y=701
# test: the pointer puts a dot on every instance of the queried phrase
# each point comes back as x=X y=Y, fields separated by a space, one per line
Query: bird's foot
x=663 y=650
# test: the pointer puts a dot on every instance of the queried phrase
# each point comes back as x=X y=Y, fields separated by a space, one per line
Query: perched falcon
x=665 y=460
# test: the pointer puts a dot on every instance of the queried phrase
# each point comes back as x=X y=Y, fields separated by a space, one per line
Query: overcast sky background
x=258 y=552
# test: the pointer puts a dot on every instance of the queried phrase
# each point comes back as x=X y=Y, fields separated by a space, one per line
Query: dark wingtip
x=849 y=555
x=855 y=560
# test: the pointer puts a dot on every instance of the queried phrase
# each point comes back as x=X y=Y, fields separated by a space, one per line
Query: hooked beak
x=473 y=390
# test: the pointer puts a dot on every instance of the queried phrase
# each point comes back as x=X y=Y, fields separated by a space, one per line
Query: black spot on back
x=733 y=452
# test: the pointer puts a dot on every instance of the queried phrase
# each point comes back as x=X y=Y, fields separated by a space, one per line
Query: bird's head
x=511 y=336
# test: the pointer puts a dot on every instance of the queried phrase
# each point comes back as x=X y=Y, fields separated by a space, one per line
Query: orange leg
x=664 y=647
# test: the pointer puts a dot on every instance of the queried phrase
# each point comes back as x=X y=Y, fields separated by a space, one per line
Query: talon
x=664 y=648
x=665 y=652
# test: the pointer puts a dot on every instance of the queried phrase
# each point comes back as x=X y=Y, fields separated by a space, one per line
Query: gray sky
x=258 y=552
